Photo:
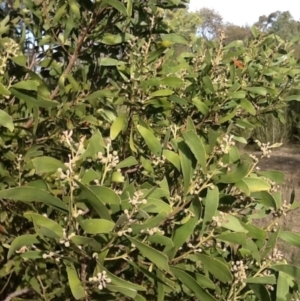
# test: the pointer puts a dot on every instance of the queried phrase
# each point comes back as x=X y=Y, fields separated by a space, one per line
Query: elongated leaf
x=31 y=99
x=75 y=284
x=27 y=85
x=21 y=241
x=117 y=126
x=160 y=93
x=128 y=162
x=95 y=201
x=158 y=258
x=262 y=279
x=128 y=292
x=289 y=269
x=216 y=267
x=195 y=144
x=47 y=165
x=152 y=142
x=282 y=288
x=257 y=90
x=208 y=85
x=6 y=121
x=97 y=226
x=192 y=284
x=173 y=158
x=255 y=184
x=32 y=194
x=118 y=5
x=260 y=291
x=291 y=238
x=186 y=163
x=236 y=238
x=175 y=38
x=274 y=175
x=211 y=205
x=42 y=221
x=105 y=194
x=236 y=174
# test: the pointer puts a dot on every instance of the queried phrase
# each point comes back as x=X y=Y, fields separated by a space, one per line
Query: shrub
x=120 y=178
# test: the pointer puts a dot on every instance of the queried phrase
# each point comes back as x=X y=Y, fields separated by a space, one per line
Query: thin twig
x=17 y=294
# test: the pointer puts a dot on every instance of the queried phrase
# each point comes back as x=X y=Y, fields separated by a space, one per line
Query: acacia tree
x=120 y=177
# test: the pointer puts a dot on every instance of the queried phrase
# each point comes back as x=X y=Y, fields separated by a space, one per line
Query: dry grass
x=287 y=160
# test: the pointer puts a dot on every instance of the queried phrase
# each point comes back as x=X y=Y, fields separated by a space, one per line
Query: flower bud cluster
x=194 y=248
x=282 y=210
x=52 y=255
x=226 y=144
x=111 y=159
x=66 y=238
x=135 y=200
x=239 y=271
x=277 y=255
x=9 y=50
x=101 y=279
x=122 y=232
x=153 y=231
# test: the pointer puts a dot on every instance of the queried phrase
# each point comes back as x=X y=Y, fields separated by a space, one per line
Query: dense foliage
x=120 y=177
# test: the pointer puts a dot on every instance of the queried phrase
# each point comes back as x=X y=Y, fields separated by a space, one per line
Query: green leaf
x=208 y=85
x=4 y=90
x=175 y=38
x=289 y=269
x=107 y=61
x=273 y=175
x=6 y=121
x=117 y=5
x=161 y=93
x=192 y=284
x=260 y=291
x=172 y=81
x=196 y=145
x=31 y=99
x=128 y=162
x=152 y=142
x=257 y=90
x=158 y=258
x=235 y=238
x=27 y=85
x=291 y=238
x=265 y=198
x=253 y=184
x=46 y=164
x=237 y=172
x=114 y=39
x=32 y=194
x=292 y=98
x=201 y=106
x=248 y=106
x=42 y=221
x=172 y=157
x=270 y=245
x=185 y=156
x=97 y=226
x=95 y=201
x=21 y=241
x=117 y=126
x=216 y=267
x=74 y=282
x=237 y=95
x=211 y=205
x=282 y=288
x=234 y=224
x=262 y=279
x=128 y=292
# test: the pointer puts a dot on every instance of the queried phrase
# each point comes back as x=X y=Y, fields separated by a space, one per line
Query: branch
x=17 y=294
x=76 y=53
